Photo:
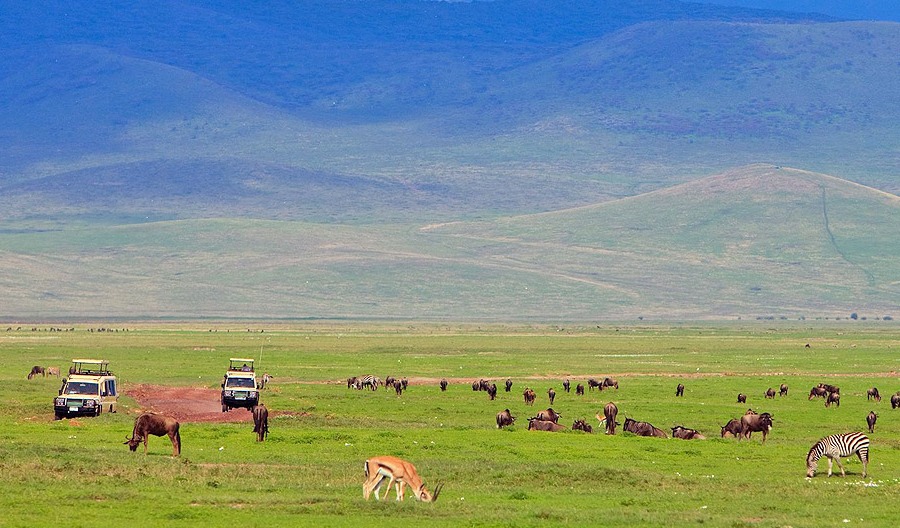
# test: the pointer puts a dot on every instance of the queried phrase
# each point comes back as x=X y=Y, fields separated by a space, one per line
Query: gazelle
x=398 y=472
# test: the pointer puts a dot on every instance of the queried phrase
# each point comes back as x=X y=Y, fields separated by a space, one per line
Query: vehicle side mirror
x=223 y=385
x=60 y=392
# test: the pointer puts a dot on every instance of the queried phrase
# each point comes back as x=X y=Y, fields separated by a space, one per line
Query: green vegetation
x=309 y=472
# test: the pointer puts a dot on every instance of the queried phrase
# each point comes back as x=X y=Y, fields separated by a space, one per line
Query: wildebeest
x=679 y=390
x=260 y=422
x=405 y=382
x=770 y=394
x=508 y=384
x=157 y=425
x=594 y=383
x=873 y=394
x=36 y=370
x=566 y=385
x=398 y=388
x=548 y=415
x=742 y=398
x=475 y=386
x=579 y=390
x=443 y=385
x=505 y=418
x=352 y=382
x=817 y=392
x=895 y=401
x=783 y=390
x=529 y=395
x=551 y=394
x=732 y=428
x=643 y=428
x=833 y=397
x=609 y=414
x=492 y=391
x=756 y=422
x=389 y=381
x=581 y=425
x=542 y=425
x=870 y=421
x=684 y=433
x=610 y=382
x=483 y=385
x=830 y=388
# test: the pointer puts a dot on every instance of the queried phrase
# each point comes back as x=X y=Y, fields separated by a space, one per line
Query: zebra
x=836 y=446
x=368 y=381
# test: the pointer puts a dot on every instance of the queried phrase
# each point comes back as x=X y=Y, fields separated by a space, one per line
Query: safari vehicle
x=89 y=390
x=239 y=386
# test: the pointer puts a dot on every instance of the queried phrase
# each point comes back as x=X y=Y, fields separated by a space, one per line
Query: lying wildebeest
x=157 y=425
x=592 y=383
x=529 y=395
x=260 y=422
x=732 y=428
x=581 y=425
x=770 y=394
x=679 y=390
x=548 y=415
x=566 y=385
x=508 y=384
x=492 y=391
x=579 y=390
x=870 y=421
x=36 y=370
x=684 y=433
x=817 y=392
x=610 y=382
x=833 y=397
x=643 y=429
x=443 y=385
x=551 y=394
x=895 y=401
x=742 y=398
x=542 y=425
x=505 y=418
x=609 y=414
x=873 y=394
x=783 y=390
x=756 y=422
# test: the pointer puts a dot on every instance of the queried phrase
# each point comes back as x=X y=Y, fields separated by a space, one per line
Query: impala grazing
x=398 y=472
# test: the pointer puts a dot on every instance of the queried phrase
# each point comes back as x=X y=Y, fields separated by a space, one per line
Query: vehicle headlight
x=229 y=394
x=59 y=402
x=90 y=403
x=253 y=394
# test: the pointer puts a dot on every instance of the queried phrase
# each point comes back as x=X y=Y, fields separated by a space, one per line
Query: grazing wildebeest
x=579 y=390
x=833 y=397
x=475 y=386
x=405 y=382
x=609 y=414
x=260 y=422
x=770 y=394
x=551 y=394
x=684 y=433
x=157 y=425
x=542 y=425
x=548 y=415
x=756 y=422
x=352 y=382
x=610 y=382
x=873 y=394
x=581 y=425
x=836 y=446
x=592 y=383
x=742 y=398
x=529 y=395
x=492 y=391
x=829 y=388
x=504 y=418
x=679 y=390
x=783 y=390
x=508 y=384
x=817 y=392
x=35 y=370
x=566 y=385
x=389 y=381
x=643 y=429
x=732 y=428
x=870 y=421
x=483 y=385
x=895 y=401
x=398 y=388
x=443 y=385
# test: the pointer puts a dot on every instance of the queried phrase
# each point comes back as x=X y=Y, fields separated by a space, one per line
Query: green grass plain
x=310 y=470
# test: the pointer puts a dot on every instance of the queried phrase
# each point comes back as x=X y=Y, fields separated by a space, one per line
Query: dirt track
x=186 y=404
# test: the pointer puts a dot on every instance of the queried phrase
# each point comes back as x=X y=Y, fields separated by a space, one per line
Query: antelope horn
x=437 y=491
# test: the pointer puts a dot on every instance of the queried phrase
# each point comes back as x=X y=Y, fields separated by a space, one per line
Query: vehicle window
x=240 y=383
x=82 y=387
x=111 y=387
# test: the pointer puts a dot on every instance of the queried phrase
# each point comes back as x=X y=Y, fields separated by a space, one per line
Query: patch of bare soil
x=186 y=404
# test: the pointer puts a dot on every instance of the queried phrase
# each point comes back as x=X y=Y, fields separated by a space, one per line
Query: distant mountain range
x=283 y=159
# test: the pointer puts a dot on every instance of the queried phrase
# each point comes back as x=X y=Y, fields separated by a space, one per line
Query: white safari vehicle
x=89 y=390
x=239 y=386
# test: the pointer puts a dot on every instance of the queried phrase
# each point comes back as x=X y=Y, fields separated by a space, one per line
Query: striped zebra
x=836 y=447
x=369 y=381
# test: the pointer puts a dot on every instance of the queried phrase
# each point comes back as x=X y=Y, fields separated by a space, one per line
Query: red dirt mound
x=186 y=404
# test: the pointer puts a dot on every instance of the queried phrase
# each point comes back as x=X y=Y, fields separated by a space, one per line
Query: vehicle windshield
x=82 y=387
x=240 y=383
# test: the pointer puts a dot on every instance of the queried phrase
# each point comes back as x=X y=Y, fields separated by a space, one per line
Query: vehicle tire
x=57 y=416
x=99 y=409
x=224 y=408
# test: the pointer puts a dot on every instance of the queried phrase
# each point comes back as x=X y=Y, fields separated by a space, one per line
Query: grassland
x=309 y=472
